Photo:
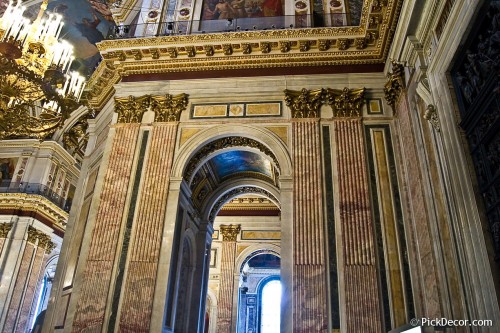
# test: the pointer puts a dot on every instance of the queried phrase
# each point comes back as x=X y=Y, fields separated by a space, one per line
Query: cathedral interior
x=250 y=166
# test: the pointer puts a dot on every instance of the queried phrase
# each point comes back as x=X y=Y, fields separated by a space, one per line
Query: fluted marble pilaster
x=96 y=280
x=362 y=298
x=226 y=287
x=144 y=252
x=310 y=307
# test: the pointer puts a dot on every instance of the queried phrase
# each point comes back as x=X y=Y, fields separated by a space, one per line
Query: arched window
x=270 y=307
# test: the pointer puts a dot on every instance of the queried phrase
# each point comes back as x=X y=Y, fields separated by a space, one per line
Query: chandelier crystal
x=38 y=91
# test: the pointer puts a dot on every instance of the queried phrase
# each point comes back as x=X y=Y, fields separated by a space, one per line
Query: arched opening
x=259 y=301
x=231 y=179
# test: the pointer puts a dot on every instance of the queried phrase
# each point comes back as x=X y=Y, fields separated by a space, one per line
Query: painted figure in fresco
x=102 y=9
x=224 y=10
x=272 y=8
x=88 y=28
x=256 y=10
x=239 y=8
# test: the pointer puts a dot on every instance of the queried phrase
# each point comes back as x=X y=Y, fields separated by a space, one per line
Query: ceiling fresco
x=240 y=161
x=86 y=22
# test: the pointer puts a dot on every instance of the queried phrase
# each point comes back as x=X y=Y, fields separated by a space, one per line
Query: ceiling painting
x=240 y=161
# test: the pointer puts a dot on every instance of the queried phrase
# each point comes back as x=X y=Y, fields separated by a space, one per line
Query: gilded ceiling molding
x=230 y=232
x=395 y=84
x=304 y=103
x=44 y=241
x=223 y=143
x=4 y=229
x=237 y=192
x=346 y=102
x=431 y=115
x=167 y=108
x=34 y=203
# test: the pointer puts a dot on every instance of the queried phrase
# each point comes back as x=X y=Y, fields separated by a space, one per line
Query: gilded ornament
x=246 y=48
x=168 y=107
x=75 y=139
x=304 y=45
x=190 y=51
x=285 y=46
x=305 y=103
x=323 y=44
x=4 y=229
x=265 y=47
x=230 y=232
x=346 y=102
x=227 y=49
x=155 y=53
x=431 y=115
x=343 y=43
x=137 y=54
x=360 y=43
x=130 y=109
x=172 y=52
x=395 y=84
x=209 y=50
x=40 y=239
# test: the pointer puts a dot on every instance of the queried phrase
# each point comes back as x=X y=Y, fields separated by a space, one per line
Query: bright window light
x=271 y=305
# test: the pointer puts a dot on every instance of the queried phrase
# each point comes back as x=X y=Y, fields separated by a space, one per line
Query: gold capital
x=44 y=241
x=395 y=84
x=346 y=102
x=304 y=103
x=130 y=109
x=4 y=229
x=230 y=232
x=169 y=107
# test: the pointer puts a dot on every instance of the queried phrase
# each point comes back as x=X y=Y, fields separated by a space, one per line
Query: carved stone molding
x=167 y=108
x=346 y=102
x=237 y=192
x=222 y=143
x=43 y=240
x=304 y=103
x=230 y=232
x=4 y=229
x=395 y=84
x=431 y=115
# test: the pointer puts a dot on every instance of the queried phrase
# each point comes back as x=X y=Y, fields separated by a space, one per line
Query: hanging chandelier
x=38 y=91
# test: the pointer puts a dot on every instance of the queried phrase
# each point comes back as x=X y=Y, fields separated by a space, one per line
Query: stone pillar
x=310 y=307
x=26 y=280
x=362 y=307
x=226 y=287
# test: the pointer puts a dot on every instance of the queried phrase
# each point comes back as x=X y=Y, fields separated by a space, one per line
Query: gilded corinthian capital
x=4 y=229
x=230 y=232
x=44 y=241
x=346 y=102
x=130 y=109
x=168 y=107
x=304 y=103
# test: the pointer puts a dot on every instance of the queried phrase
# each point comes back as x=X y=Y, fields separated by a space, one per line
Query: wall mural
x=237 y=161
x=234 y=9
x=86 y=22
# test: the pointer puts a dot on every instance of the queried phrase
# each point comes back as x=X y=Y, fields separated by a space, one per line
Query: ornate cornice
x=223 y=143
x=237 y=192
x=304 y=103
x=366 y=44
x=346 y=102
x=230 y=232
x=395 y=84
x=167 y=108
x=34 y=203
x=44 y=241
x=4 y=229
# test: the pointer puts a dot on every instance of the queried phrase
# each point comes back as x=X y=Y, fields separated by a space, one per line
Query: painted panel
x=209 y=111
x=264 y=109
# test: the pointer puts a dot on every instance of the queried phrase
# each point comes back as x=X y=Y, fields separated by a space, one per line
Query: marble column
x=310 y=307
x=362 y=306
x=144 y=251
x=226 y=287
x=27 y=278
x=97 y=277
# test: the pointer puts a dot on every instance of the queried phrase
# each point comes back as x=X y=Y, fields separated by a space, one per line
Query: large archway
x=220 y=169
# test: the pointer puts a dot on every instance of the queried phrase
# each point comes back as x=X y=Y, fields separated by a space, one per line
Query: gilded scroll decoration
x=44 y=241
x=346 y=102
x=230 y=232
x=395 y=84
x=4 y=229
x=304 y=103
x=76 y=138
x=167 y=108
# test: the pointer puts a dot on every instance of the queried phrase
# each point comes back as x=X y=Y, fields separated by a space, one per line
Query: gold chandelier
x=38 y=92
